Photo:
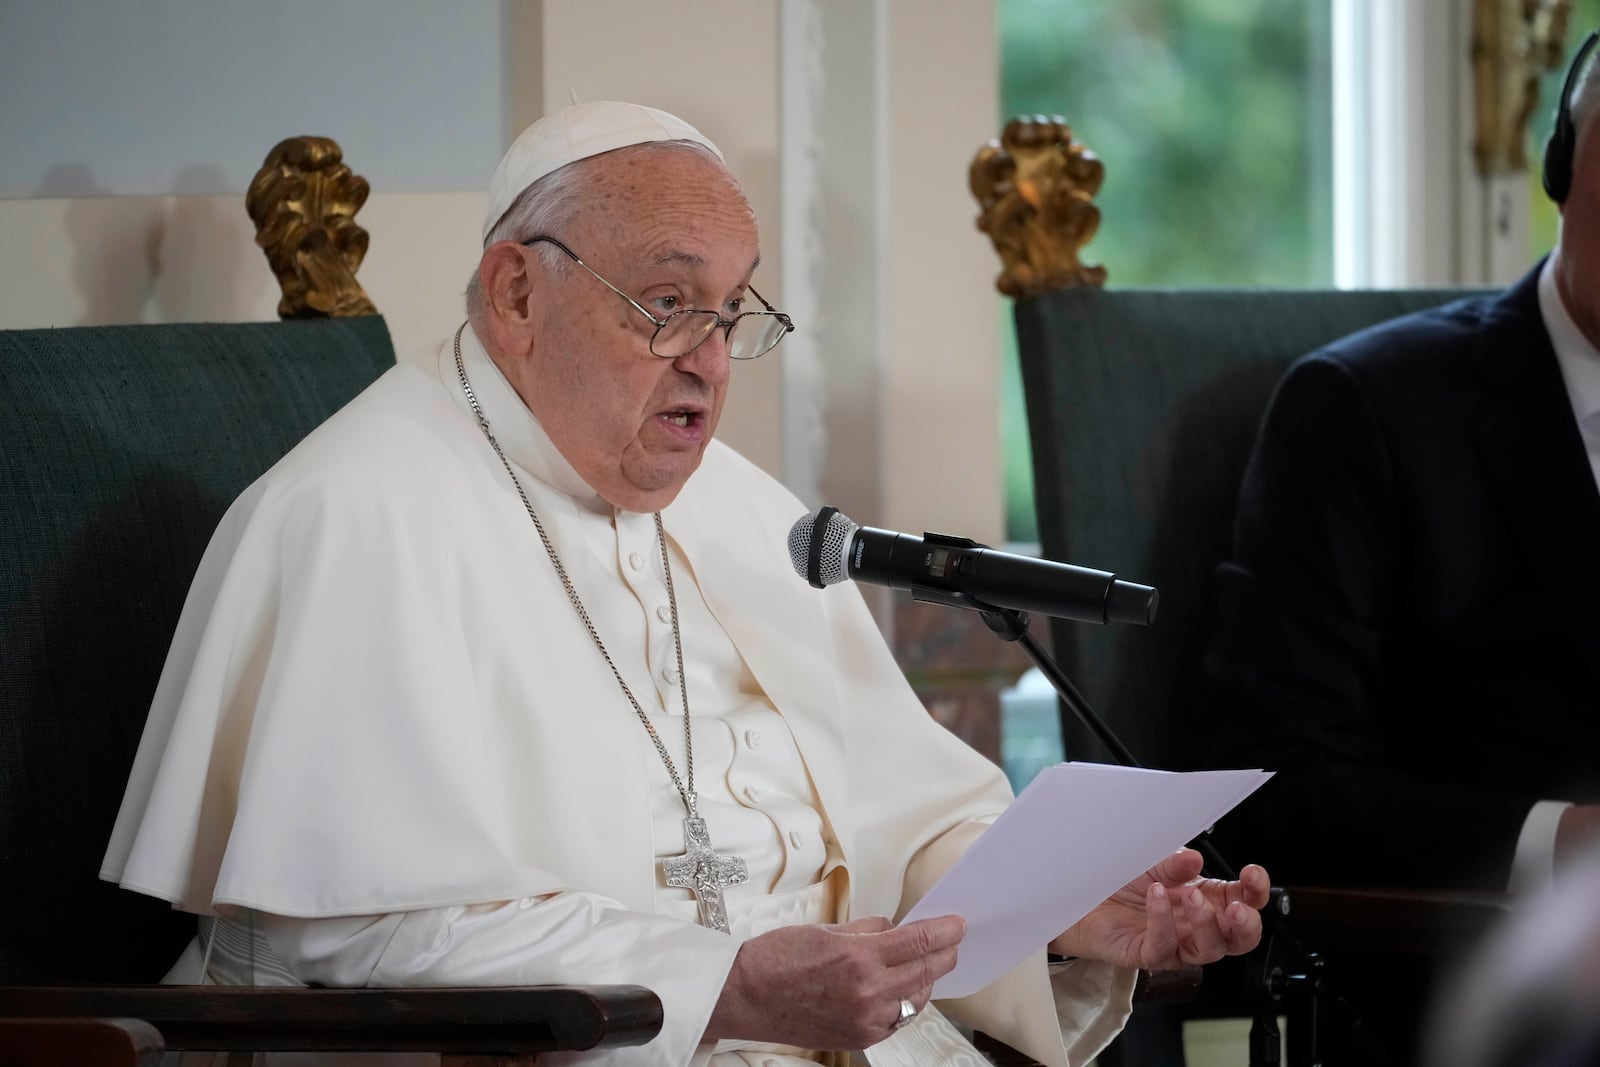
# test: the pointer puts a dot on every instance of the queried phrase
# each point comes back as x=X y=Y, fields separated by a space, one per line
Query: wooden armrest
x=1172 y=987
x=1424 y=922
x=79 y=1043
x=488 y=1021
x=999 y=1053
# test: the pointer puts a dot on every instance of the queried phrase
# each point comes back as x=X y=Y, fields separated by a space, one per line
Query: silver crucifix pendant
x=705 y=873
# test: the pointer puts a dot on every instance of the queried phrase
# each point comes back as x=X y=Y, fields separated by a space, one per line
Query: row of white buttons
x=664 y=613
x=753 y=795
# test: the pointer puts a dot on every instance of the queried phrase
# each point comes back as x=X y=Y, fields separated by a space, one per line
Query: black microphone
x=826 y=548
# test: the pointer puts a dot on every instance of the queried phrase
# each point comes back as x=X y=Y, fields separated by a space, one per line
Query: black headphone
x=1558 y=149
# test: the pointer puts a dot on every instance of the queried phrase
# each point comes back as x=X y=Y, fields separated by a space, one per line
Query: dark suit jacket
x=1409 y=632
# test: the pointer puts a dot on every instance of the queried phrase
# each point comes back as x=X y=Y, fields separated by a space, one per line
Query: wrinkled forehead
x=670 y=204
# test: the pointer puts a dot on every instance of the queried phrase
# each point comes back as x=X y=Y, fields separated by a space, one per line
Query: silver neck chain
x=686 y=791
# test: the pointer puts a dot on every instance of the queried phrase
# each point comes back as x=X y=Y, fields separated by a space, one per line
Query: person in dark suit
x=1407 y=631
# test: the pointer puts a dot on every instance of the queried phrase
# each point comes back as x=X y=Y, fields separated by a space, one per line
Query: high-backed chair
x=122 y=447
x=1142 y=407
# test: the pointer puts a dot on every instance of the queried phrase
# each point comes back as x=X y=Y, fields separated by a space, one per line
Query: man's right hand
x=833 y=987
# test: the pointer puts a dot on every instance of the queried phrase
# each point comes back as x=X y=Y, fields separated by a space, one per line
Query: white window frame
x=1410 y=208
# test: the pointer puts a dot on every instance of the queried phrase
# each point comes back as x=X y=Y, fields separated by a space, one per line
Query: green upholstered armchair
x=1142 y=407
x=120 y=448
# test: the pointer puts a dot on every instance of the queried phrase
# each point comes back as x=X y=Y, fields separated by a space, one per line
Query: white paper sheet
x=1078 y=833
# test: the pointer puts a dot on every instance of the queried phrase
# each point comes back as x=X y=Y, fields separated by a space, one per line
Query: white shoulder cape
x=378 y=699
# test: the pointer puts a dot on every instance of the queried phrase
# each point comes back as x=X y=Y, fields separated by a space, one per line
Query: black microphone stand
x=1284 y=974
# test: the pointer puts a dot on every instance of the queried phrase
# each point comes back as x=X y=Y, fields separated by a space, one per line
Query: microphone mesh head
x=835 y=543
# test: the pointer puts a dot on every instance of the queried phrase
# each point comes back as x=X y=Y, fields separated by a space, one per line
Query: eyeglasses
x=750 y=333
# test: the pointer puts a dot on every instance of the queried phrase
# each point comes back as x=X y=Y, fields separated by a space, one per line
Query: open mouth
x=683 y=418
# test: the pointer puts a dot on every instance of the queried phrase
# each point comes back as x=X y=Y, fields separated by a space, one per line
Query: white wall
x=122 y=259
x=942 y=400
x=891 y=399
x=186 y=96
x=126 y=181
x=132 y=132
x=714 y=64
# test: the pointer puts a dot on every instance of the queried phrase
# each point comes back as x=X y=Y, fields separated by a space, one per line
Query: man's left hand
x=1170 y=917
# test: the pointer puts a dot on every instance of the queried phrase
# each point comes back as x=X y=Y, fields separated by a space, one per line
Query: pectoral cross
x=705 y=873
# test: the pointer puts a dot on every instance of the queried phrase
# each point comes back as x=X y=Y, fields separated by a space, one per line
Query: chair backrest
x=1142 y=407
x=120 y=448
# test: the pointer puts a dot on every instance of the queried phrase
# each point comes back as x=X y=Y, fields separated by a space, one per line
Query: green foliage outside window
x=1213 y=120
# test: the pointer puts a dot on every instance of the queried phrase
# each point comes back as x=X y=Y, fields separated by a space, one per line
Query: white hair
x=547 y=206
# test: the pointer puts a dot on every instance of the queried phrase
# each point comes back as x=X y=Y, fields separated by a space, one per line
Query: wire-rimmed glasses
x=750 y=333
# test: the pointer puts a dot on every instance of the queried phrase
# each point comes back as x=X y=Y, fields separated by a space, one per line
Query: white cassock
x=385 y=751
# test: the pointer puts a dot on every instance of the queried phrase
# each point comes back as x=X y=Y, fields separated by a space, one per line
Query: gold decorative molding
x=1035 y=188
x=1514 y=43
x=303 y=201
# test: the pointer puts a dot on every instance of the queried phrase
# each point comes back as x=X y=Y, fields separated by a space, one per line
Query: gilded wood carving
x=303 y=201
x=1035 y=188
x=1514 y=42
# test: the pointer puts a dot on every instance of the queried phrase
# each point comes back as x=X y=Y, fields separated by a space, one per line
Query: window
x=1216 y=122
x=1213 y=118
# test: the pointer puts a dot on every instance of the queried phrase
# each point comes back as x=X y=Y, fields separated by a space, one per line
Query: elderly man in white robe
x=465 y=676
